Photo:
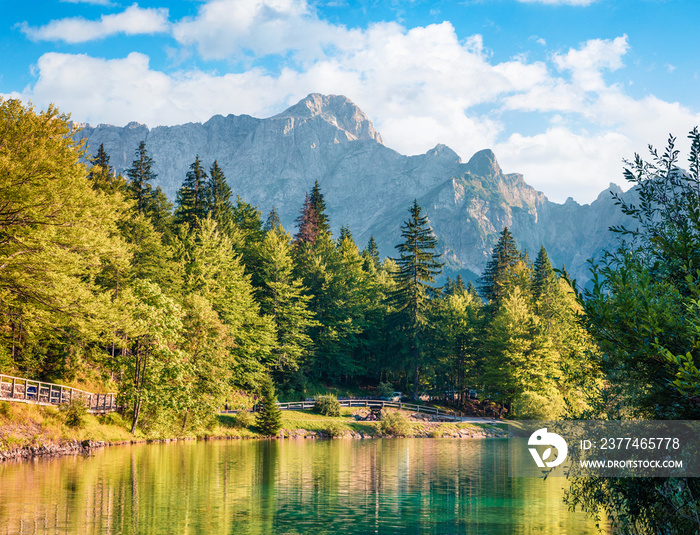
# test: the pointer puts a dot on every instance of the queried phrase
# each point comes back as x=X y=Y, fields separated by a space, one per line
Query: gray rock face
x=368 y=186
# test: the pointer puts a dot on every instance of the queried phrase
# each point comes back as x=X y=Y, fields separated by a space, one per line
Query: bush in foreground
x=327 y=405
x=394 y=423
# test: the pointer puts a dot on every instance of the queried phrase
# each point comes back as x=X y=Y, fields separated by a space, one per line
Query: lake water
x=416 y=486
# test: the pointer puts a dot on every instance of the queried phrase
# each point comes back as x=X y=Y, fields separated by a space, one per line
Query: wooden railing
x=371 y=403
x=28 y=391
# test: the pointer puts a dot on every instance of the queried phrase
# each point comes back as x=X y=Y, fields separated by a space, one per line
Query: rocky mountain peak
x=337 y=110
x=484 y=164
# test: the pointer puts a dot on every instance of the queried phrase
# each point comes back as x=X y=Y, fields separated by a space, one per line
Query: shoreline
x=86 y=447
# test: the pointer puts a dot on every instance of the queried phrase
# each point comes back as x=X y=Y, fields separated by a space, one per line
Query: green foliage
x=193 y=196
x=243 y=419
x=531 y=405
x=327 y=405
x=74 y=413
x=281 y=296
x=417 y=267
x=502 y=269
x=642 y=311
x=394 y=423
x=269 y=417
x=57 y=234
x=140 y=177
x=335 y=429
x=220 y=207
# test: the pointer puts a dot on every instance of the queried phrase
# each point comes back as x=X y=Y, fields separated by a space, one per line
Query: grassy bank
x=26 y=425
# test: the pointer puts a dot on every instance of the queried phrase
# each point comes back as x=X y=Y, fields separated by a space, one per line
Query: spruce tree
x=543 y=276
x=273 y=221
x=269 y=416
x=307 y=223
x=102 y=175
x=282 y=298
x=344 y=233
x=193 y=196
x=140 y=175
x=319 y=206
x=418 y=266
x=498 y=275
x=220 y=206
x=160 y=211
x=373 y=252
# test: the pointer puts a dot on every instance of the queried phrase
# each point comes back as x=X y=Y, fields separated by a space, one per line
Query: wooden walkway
x=28 y=391
x=377 y=403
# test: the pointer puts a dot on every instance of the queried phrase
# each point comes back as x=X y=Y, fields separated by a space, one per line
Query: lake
x=417 y=486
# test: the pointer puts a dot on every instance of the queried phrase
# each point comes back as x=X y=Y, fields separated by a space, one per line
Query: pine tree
x=543 y=276
x=319 y=207
x=140 y=175
x=372 y=252
x=220 y=206
x=269 y=416
x=102 y=175
x=344 y=234
x=282 y=298
x=160 y=211
x=418 y=265
x=273 y=221
x=193 y=196
x=307 y=223
x=211 y=270
x=498 y=275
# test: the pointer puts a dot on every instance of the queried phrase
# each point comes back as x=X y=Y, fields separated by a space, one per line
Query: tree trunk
x=135 y=420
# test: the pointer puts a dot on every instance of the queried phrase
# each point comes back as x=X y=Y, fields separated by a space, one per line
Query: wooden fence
x=371 y=403
x=28 y=391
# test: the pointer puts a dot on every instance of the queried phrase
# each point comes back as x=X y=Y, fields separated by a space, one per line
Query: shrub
x=242 y=419
x=327 y=405
x=5 y=408
x=74 y=414
x=534 y=406
x=335 y=429
x=394 y=423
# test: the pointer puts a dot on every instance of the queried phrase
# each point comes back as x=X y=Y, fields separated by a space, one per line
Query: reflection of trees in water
x=260 y=487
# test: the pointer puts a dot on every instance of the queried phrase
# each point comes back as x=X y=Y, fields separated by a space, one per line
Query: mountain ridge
x=367 y=185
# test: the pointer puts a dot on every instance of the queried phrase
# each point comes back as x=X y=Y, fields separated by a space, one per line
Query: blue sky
x=561 y=90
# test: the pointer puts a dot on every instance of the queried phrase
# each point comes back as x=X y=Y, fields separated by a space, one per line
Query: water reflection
x=293 y=487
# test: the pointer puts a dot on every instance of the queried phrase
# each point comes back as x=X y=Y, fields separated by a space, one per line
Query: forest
x=186 y=307
x=183 y=308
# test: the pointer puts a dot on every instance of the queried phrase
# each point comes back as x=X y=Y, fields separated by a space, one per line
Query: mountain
x=368 y=186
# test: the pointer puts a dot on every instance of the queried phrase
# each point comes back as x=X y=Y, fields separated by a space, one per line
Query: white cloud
x=226 y=28
x=132 y=21
x=421 y=87
x=587 y=63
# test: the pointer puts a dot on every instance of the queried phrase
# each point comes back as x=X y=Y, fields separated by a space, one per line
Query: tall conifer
x=418 y=266
x=319 y=206
x=140 y=175
x=307 y=223
x=505 y=256
x=193 y=196
x=220 y=206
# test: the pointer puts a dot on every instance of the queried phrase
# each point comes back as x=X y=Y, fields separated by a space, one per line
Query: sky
x=561 y=90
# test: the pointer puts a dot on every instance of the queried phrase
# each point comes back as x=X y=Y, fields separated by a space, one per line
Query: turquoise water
x=432 y=486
